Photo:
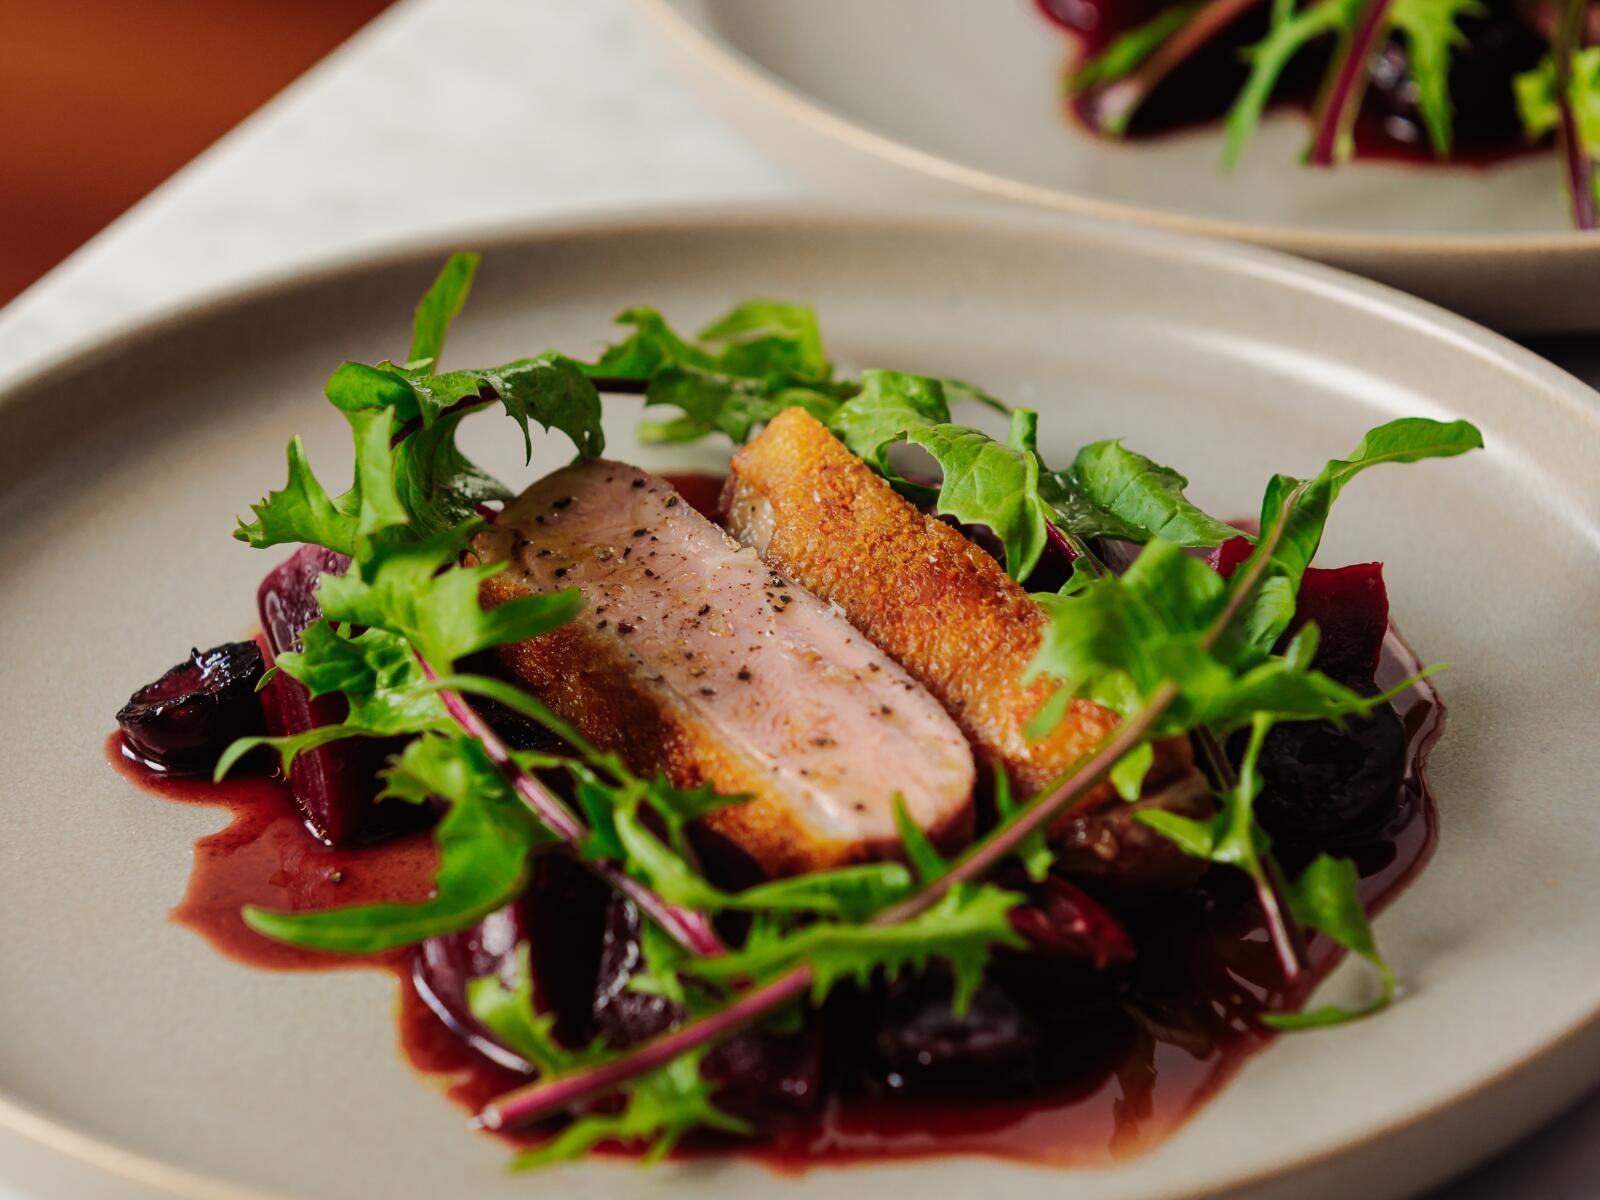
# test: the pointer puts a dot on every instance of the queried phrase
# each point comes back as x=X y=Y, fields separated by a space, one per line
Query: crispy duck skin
x=937 y=603
x=693 y=657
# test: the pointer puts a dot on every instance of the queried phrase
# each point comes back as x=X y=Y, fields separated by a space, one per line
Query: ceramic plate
x=919 y=97
x=136 y=1060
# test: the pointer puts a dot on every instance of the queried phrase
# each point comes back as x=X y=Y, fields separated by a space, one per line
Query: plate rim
x=723 y=58
x=1262 y=266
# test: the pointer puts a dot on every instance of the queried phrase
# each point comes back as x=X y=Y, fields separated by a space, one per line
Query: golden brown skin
x=934 y=601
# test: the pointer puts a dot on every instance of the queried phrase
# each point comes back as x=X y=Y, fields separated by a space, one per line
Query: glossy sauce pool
x=1186 y=1022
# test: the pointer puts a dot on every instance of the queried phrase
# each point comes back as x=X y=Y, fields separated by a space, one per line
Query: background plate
x=947 y=97
x=121 y=468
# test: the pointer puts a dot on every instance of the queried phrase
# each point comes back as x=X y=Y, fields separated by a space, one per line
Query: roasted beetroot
x=1351 y=608
x=183 y=721
x=334 y=785
x=1060 y=920
x=922 y=1048
x=560 y=916
x=1320 y=780
x=1349 y=604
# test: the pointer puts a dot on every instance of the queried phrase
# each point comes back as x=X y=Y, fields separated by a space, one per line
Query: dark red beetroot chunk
x=1063 y=921
x=335 y=784
x=1321 y=781
x=1349 y=604
x=762 y=1076
x=561 y=917
x=183 y=721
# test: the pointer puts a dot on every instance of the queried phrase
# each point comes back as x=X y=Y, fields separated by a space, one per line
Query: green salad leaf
x=1431 y=30
x=484 y=842
x=1146 y=497
x=1306 y=503
x=1326 y=898
x=1538 y=104
x=440 y=305
x=961 y=930
x=1123 y=56
x=1291 y=31
x=506 y=1008
x=659 y=1108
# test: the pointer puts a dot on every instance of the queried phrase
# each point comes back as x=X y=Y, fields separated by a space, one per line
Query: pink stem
x=691 y=930
x=1579 y=168
x=1113 y=105
x=1575 y=157
x=1288 y=941
x=1343 y=97
x=1073 y=793
x=543 y=1098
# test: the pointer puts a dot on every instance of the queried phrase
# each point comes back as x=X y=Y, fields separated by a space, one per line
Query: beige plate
x=122 y=467
x=943 y=98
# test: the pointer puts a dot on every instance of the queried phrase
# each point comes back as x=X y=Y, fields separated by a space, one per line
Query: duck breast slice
x=939 y=604
x=693 y=657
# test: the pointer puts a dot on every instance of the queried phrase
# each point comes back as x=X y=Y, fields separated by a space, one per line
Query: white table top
x=571 y=108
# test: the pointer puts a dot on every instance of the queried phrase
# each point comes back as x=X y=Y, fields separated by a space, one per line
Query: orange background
x=100 y=100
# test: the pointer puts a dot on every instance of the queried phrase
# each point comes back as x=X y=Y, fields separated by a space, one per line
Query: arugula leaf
x=770 y=338
x=652 y=347
x=439 y=486
x=1325 y=898
x=1406 y=440
x=1290 y=32
x=653 y=861
x=376 y=673
x=484 y=841
x=1118 y=639
x=439 y=306
x=1145 y=496
x=714 y=402
x=425 y=482
x=1538 y=104
x=506 y=1009
x=1129 y=49
x=1431 y=30
x=961 y=929
x=890 y=405
x=403 y=589
x=985 y=482
x=993 y=484
x=1034 y=851
x=925 y=859
x=1231 y=836
x=661 y=1107
x=852 y=894
x=375 y=669
x=745 y=367
x=301 y=510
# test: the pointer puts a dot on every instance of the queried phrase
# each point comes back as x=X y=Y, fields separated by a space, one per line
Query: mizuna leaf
x=1432 y=32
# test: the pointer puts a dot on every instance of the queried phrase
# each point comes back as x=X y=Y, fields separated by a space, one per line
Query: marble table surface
x=572 y=106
